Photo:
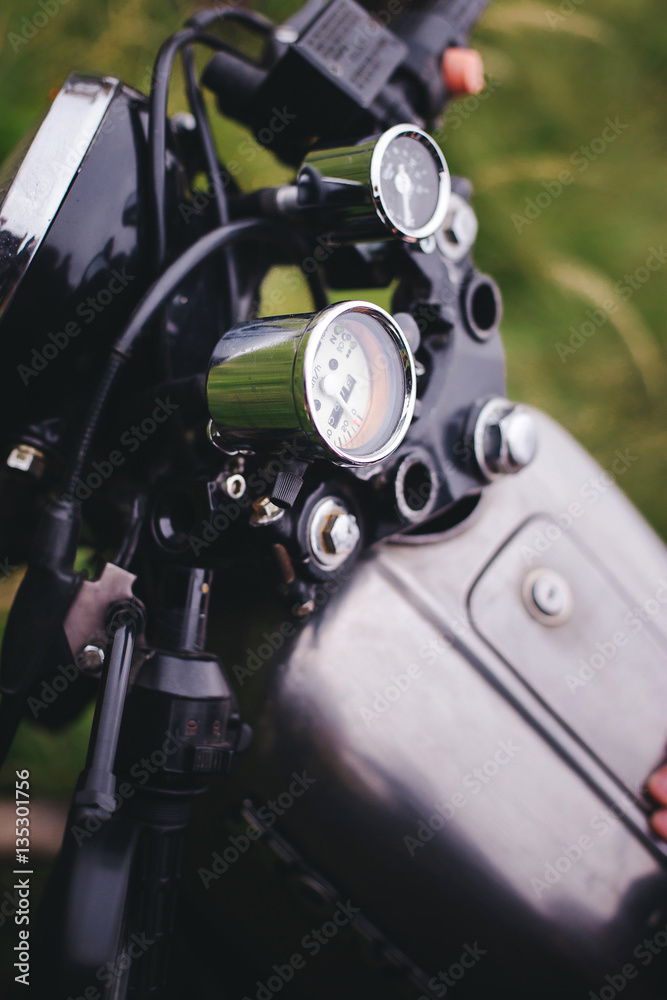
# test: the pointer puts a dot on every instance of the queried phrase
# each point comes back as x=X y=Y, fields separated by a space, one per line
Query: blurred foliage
x=557 y=71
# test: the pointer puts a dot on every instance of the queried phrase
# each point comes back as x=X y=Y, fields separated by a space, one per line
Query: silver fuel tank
x=472 y=718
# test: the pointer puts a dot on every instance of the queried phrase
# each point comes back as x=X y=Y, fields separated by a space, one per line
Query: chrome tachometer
x=394 y=185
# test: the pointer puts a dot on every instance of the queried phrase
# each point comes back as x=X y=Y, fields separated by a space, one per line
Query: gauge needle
x=404 y=187
x=331 y=386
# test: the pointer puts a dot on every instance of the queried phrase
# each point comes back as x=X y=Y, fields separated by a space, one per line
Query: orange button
x=463 y=71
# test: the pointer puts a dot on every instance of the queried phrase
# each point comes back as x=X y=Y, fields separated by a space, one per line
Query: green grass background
x=558 y=70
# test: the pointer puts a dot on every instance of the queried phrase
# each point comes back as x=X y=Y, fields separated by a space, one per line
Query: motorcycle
x=345 y=589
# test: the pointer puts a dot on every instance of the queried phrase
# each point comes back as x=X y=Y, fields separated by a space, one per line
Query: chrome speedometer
x=341 y=380
x=359 y=382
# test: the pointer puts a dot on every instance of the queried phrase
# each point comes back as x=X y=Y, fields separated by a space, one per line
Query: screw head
x=334 y=533
x=505 y=438
x=340 y=534
x=25 y=458
x=286 y=34
x=547 y=597
x=264 y=512
x=518 y=439
x=459 y=230
x=305 y=609
x=235 y=486
x=90 y=660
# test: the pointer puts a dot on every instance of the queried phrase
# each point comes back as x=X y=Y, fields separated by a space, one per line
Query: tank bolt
x=547 y=597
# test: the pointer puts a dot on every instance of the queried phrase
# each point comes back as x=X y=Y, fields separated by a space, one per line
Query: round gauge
x=340 y=384
x=410 y=182
x=359 y=381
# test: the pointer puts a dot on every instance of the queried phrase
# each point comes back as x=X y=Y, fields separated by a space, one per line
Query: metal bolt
x=286 y=34
x=340 y=534
x=184 y=120
x=410 y=328
x=234 y=486
x=459 y=230
x=334 y=533
x=264 y=512
x=90 y=660
x=519 y=439
x=505 y=438
x=25 y=458
x=306 y=608
x=547 y=597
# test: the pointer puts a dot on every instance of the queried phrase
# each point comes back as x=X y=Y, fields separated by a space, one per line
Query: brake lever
x=85 y=624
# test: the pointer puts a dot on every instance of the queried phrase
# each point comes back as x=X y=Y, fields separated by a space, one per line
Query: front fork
x=108 y=917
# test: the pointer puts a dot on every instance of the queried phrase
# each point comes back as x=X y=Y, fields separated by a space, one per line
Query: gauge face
x=410 y=180
x=340 y=382
x=359 y=381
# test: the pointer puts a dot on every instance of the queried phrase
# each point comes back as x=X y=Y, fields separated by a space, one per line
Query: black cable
x=155 y=297
x=198 y=109
x=157 y=139
x=162 y=69
x=157 y=129
x=209 y=15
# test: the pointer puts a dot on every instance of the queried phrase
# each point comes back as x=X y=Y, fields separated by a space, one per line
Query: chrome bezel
x=303 y=363
x=46 y=173
x=444 y=191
